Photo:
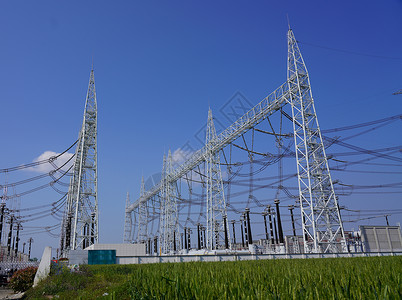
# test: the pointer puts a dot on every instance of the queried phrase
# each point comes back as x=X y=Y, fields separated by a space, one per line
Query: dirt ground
x=6 y=293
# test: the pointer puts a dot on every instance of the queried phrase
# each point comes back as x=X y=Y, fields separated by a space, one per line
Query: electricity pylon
x=80 y=223
x=128 y=224
x=321 y=219
x=217 y=223
x=169 y=222
x=142 y=217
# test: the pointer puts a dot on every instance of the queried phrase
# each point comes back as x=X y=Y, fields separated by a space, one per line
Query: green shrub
x=23 y=279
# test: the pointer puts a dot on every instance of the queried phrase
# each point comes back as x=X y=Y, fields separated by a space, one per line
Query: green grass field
x=329 y=278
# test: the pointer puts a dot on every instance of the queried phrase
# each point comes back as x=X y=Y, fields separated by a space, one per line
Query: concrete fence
x=240 y=257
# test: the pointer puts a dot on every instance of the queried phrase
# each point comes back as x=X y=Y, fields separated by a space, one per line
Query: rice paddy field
x=325 y=278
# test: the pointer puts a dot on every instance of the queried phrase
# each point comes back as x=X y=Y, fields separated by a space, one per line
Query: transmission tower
x=80 y=222
x=128 y=224
x=217 y=223
x=142 y=217
x=321 y=218
x=169 y=222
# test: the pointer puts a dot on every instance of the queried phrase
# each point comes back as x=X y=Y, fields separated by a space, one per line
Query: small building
x=381 y=238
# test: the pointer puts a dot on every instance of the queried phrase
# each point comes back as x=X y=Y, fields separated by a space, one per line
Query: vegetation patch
x=23 y=279
x=327 y=278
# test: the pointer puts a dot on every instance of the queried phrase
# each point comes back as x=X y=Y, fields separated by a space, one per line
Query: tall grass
x=337 y=278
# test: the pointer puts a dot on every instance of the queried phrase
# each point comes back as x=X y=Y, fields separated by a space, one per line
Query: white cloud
x=179 y=156
x=47 y=167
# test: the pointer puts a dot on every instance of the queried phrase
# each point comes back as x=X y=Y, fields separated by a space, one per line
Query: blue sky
x=159 y=65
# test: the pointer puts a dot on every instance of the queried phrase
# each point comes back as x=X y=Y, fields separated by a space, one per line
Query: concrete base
x=44 y=266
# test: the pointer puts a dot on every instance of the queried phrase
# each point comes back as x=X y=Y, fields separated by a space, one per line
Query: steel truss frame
x=216 y=204
x=321 y=219
x=80 y=222
x=169 y=220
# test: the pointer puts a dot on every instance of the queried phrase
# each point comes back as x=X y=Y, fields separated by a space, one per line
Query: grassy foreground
x=329 y=278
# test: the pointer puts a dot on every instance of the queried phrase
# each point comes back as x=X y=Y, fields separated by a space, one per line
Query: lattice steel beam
x=81 y=215
x=216 y=204
x=169 y=221
x=254 y=116
x=128 y=223
x=322 y=224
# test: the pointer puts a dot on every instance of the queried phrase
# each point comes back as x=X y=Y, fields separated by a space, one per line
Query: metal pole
x=226 y=233
x=17 y=239
x=10 y=236
x=29 y=250
x=234 y=232
x=270 y=223
x=265 y=224
x=198 y=236
x=386 y=218
x=216 y=236
x=250 y=237
x=174 y=241
x=242 y=231
x=185 y=238
x=3 y=206
x=291 y=207
x=156 y=244
x=68 y=231
x=280 y=231
x=204 y=239
x=150 y=245
x=189 y=238
x=245 y=229
x=12 y=248
x=305 y=233
x=84 y=240
x=93 y=229
x=276 y=231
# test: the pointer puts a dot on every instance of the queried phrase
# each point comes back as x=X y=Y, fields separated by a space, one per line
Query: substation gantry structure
x=79 y=228
x=319 y=208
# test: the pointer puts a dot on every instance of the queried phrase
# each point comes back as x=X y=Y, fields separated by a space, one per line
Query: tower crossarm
x=266 y=107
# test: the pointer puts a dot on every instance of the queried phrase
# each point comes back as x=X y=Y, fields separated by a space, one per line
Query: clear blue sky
x=160 y=64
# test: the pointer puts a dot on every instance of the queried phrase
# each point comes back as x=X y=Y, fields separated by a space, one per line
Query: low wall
x=238 y=257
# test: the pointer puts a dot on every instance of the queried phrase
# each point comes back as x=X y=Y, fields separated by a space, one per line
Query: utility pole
x=10 y=233
x=249 y=235
x=2 y=211
x=270 y=223
x=234 y=232
x=17 y=239
x=280 y=231
x=30 y=241
x=291 y=207
x=264 y=214
x=242 y=231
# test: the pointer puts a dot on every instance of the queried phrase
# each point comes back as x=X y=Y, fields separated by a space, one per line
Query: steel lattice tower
x=321 y=219
x=216 y=204
x=169 y=222
x=142 y=217
x=80 y=223
x=128 y=223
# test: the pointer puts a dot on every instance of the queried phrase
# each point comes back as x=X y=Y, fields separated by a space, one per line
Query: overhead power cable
x=37 y=163
x=351 y=52
x=40 y=187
